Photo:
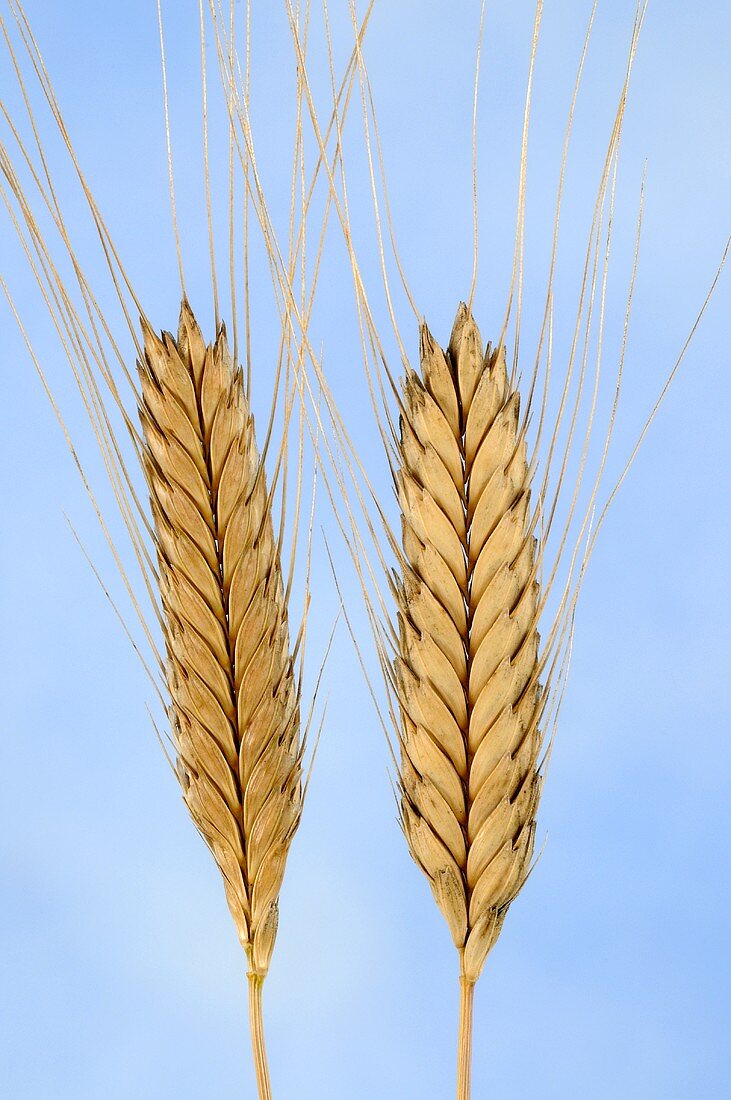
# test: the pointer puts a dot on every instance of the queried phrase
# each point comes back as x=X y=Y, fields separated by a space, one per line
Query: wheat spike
x=466 y=674
x=234 y=696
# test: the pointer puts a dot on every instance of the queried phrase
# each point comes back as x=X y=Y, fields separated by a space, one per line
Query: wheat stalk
x=466 y=673
x=234 y=696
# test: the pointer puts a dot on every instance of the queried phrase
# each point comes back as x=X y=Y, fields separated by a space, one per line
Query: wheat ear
x=234 y=695
x=466 y=673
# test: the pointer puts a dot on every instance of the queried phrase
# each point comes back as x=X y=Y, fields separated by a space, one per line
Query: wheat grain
x=234 y=696
x=467 y=669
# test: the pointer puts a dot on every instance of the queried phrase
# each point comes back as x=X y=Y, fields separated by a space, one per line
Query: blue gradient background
x=120 y=973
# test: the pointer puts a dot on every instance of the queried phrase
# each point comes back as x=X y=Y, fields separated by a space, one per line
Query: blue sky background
x=120 y=972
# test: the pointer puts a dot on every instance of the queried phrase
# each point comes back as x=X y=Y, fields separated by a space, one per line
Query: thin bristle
x=467 y=669
x=234 y=697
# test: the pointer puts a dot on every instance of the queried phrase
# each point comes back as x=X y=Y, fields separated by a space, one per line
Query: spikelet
x=466 y=674
x=234 y=697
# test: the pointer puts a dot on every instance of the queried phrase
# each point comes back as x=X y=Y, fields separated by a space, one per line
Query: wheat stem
x=464 y=1043
x=256 y=1022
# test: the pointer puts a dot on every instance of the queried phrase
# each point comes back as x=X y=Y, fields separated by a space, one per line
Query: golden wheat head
x=467 y=668
x=234 y=695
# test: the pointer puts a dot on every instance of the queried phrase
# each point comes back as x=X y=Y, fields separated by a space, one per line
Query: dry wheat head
x=467 y=669
x=234 y=695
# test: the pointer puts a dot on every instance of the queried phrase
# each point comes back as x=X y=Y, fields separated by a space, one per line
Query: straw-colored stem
x=256 y=1023
x=464 y=1047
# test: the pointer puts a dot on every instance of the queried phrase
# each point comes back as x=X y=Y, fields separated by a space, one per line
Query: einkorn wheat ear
x=467 y=669
x=234 y=695
x=207 y=551
x=500 y=503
